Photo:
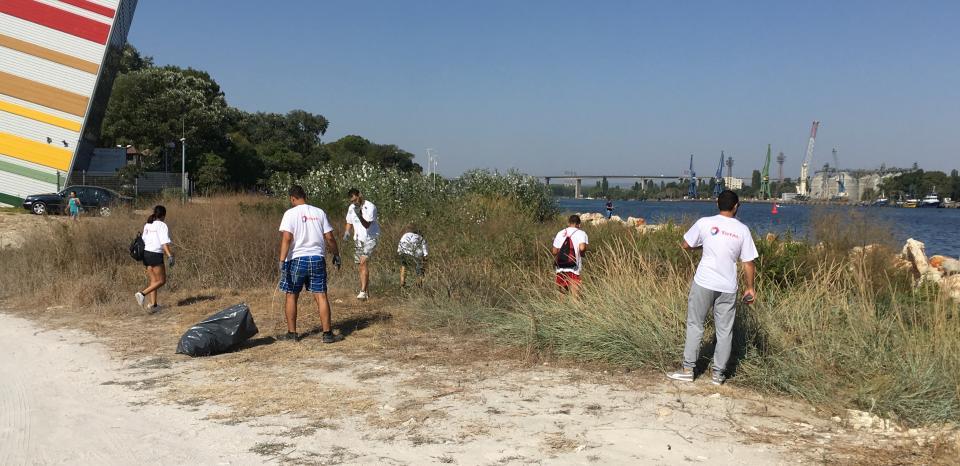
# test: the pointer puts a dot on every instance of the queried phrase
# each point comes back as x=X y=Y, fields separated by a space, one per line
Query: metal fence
x=145 y=183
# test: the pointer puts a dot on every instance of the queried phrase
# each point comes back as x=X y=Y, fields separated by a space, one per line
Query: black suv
x=92 y=198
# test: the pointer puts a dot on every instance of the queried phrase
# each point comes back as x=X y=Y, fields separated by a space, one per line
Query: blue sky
x=592 y=87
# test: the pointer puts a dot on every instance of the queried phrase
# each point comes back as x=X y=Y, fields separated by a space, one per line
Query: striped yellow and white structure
x=58 y=59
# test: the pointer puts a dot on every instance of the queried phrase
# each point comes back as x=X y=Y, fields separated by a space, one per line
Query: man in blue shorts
x=305 y=237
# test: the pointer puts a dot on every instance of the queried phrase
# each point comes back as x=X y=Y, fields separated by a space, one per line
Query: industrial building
x=846 y=184
x=57 y=65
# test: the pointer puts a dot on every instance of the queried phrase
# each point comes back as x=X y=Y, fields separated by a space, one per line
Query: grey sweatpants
x=724 y=312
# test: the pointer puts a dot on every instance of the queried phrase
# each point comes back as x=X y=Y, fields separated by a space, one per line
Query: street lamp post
x=183 y=168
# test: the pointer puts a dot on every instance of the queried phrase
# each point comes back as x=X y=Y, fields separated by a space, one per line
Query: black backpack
x=137 y=247
x=567 y=257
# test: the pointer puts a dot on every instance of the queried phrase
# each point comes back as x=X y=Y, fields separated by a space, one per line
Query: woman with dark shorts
x=156 y=240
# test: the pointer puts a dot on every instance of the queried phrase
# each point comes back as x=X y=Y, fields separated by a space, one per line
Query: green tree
x=955 y=183
x=153 y=106
x=755 y=180
x=212 y=173
x=131 y=60
x=353 y=149
x=918 y=183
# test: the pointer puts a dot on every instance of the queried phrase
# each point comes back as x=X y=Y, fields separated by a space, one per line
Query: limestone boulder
x=914 y=252
x=945 y=265
x=951 y=286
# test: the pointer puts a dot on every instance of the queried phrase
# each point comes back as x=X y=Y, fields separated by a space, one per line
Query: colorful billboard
x=57 y=64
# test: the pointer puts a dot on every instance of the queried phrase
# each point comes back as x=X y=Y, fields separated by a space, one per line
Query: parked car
x=92 y=198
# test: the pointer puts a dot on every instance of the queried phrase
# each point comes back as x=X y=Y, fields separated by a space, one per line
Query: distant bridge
x=578 y=191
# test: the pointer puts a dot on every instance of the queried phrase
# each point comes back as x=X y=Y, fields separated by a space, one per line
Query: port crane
x=692 y=191
x=718 y=179
x=765 y=178
x=803 y=187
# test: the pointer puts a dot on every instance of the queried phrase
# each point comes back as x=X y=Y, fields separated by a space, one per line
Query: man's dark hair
x=296 y=191
x=353 y=192
x=574 y=220
x=727 y=200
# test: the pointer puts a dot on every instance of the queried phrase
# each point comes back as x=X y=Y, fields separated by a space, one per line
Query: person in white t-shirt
x=569 y=261
x=362 y=219
x=156 y=241
x=413 y=254
x=724 y=241
x=306 y=237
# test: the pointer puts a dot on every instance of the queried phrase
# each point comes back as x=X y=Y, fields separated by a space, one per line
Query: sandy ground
x=58 y=407
x=64 y=400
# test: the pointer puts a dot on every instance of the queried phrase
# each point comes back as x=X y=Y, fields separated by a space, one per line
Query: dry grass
x=806 y=335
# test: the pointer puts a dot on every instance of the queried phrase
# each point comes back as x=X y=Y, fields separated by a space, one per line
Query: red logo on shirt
x=305 y=218
x=716 y=230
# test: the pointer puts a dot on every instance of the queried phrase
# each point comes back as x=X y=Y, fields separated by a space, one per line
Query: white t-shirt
x=724 y=240
x=413 y=244
x=369 y=212
x=308 y=225
x=155 y=235
x=579 y=237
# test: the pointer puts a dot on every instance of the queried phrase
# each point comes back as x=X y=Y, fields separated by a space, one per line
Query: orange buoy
x=773 y=211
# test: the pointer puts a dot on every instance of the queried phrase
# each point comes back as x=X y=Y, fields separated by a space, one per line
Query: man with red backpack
x=568 y=249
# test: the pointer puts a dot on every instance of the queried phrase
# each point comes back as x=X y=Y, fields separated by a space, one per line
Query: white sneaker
x=362 y=295
x=140 y=298
x=683 y=375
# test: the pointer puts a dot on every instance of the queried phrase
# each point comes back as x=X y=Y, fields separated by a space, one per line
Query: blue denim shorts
x=310 y=271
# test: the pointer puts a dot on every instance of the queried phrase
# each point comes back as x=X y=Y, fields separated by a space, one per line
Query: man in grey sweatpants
x=724 y=240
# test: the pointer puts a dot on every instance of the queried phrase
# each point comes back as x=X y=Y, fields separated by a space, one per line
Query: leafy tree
x=353 y=149
x=153 y=106
x=955 y=182
x=131 y=60
x=212 y=174
x=918 y=183
x=755 y=180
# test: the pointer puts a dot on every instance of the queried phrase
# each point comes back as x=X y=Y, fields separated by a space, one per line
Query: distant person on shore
x=306 y=237
x=362 y=218
x=413 y=254
x=73 y=205
x=724 y=241
x=568 y=248
x=156 y=241
x=609 y=208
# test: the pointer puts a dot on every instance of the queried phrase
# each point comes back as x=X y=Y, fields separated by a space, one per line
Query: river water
x=939 y=229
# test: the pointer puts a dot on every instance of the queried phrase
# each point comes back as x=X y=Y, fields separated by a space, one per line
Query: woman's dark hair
x=159 y=213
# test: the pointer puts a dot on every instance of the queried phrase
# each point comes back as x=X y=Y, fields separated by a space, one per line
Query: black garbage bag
x=219 y=333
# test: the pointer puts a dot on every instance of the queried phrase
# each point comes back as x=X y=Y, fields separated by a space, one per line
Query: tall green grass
x=839 y=329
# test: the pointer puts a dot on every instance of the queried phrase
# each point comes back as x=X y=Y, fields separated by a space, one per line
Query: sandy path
x=55 y=409
x=63 y=400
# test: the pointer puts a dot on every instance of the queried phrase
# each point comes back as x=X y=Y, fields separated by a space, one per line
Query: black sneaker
x=329 y=337
x=289 y=336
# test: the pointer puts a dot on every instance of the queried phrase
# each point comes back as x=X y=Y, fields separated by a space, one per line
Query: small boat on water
x=931 y=200
x=911 y=203
x=881 y=201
